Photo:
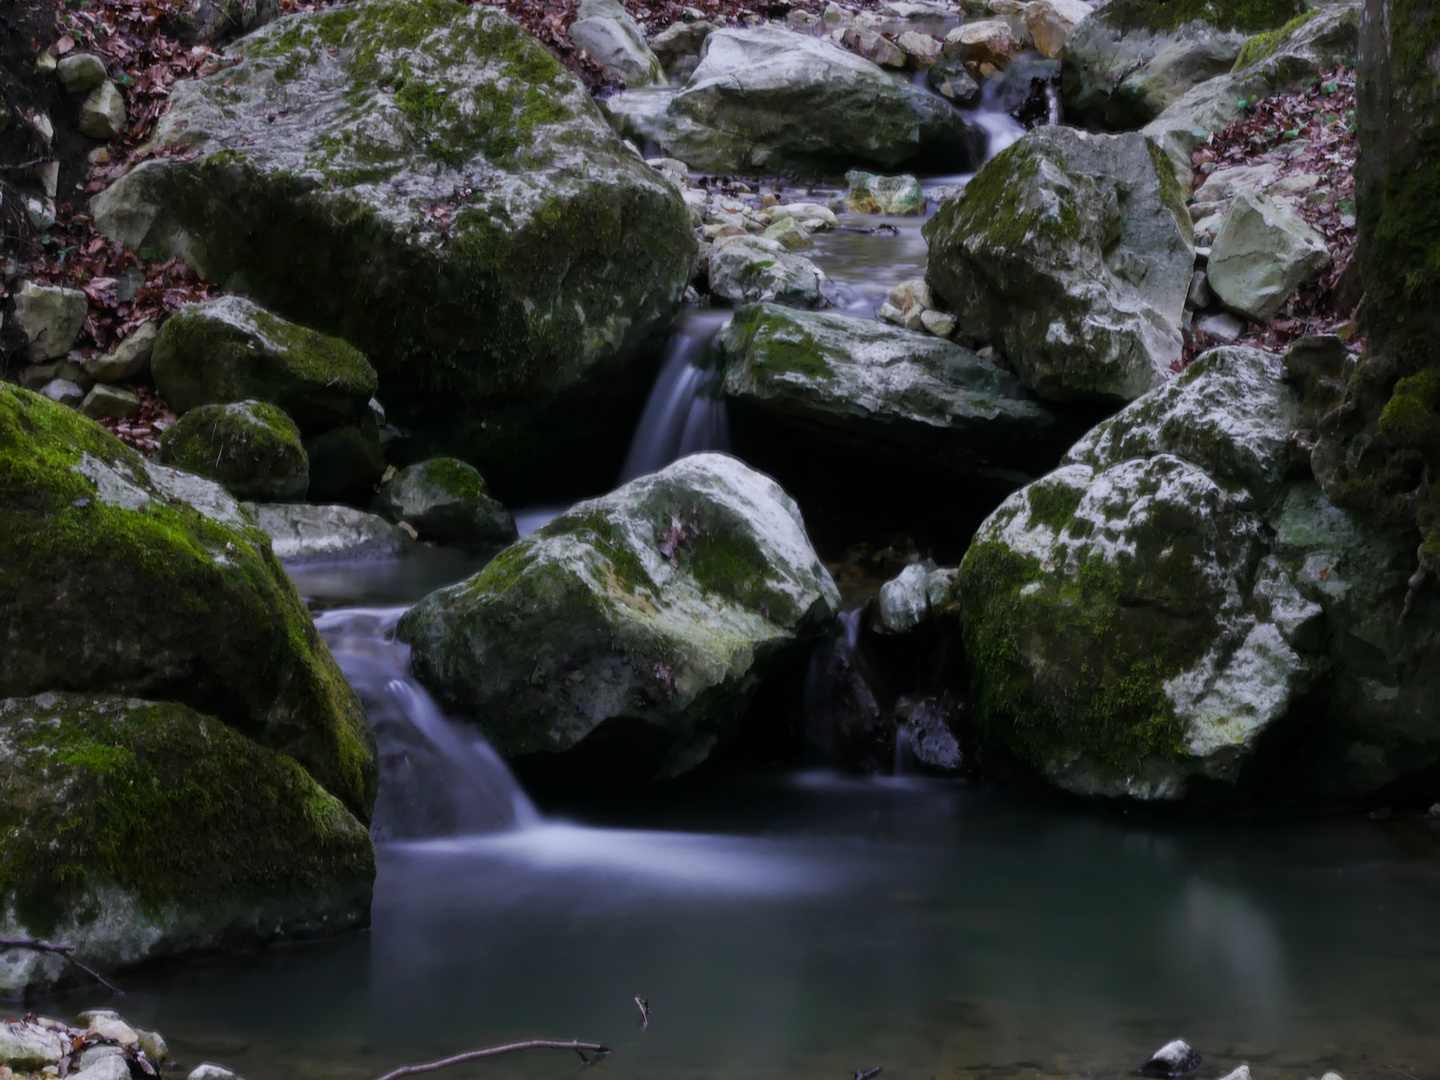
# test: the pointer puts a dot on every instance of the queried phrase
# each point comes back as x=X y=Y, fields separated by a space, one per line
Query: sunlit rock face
x=634 y=630
x=1142 y=618
x=425 y=181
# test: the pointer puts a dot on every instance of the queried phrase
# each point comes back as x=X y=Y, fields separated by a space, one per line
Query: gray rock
x=186 y=605
x=154 y=1046
x=679 y=45
x=569 y=249
x=215 y=22
x=1132 y=631
x=872 y=194
x=126 y=360
x=883 y=389
x=49 y=317
x=1224 y=326
x=63 y=392
x=641 y=116
x=92 y=1055
x=1329 y=35
x=769 y=99
x=445 y=500
x=989 y=41
x=102 y=115
x=605 y=30
x=630 y=633
x=207 y=1071
x=1073 y=252
x=1175 y=1058
x=80 y=71
x=106 y=400
x=745 y=269
x=25 y=1045
x=873 y=47
x=928 y=738
x=109 y=1067
x=229 y=350
x=235 y=845
x=951 y=80
x=903 y=603
x=250 y=447
x=301 y=533
x=1261 y=255
x=1051 y=22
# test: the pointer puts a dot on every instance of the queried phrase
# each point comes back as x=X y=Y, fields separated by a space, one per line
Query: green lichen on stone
x=173 y=807
x=454 y=477
x=1063 y=667
x=775 y=345
x=596 y=529
x=1263 y=46
x=1052 y=504
x=171 y=604
x=1161 y=15
x=252 y=448
x=998 y=202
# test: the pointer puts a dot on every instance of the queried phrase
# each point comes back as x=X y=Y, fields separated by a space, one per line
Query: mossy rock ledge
x=880 y=389
x=1129 y=59
x=122 y=576
x=445 y=500
x=423 y=180
x=626 y=638
x=1073 y=253
x=141 y=831
x=1143 y=618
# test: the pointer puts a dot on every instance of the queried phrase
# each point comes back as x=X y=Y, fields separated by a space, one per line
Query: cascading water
x=437 y=777
x=683 y=415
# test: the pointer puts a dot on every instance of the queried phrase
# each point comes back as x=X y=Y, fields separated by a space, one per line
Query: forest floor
x=59 y=245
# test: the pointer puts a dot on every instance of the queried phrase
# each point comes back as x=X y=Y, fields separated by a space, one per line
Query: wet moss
x=593 y=527
x=1263 y=46
x=109 y=586
x=1063 y=667
x=1052 y=503
x=770 y=343
x=454 y=477
x=251 y=448
x=172 y=807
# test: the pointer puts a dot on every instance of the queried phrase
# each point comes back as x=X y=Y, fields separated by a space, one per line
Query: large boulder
x=424 y=180
x=229 y=350
x=445 y=500
x=122 y=576
x=1131 y=634
x=251 y=448
x=1129 y=59
x=773 y=100
x=138 y=830
x=1074 y=253
x=614 y=40
x=878 y=388
x=1297 y=51
x=631 y=633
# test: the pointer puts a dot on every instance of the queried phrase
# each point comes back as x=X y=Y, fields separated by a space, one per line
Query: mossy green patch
x=108 y=584
x=169 y=806
x=454 y=477
x=252 y=448
x=1052 y=503
x=1263 y=46
x=771 y=344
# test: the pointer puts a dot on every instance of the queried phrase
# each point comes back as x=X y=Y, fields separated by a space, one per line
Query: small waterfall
x=682 y=415
x=438 y=777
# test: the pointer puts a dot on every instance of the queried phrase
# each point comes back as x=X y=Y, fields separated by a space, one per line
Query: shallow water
x=812 y=925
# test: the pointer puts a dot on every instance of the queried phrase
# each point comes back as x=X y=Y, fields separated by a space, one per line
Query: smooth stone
x=613 y=39
x=79 y=72
x=63 y=392
x=872 y=194
x=1175 y=1058
x=106 y=400
x=28 y=1046
x=49 y=317
x=445 y=500
x=746 y=269
x=1263 y=252
x=303 y=533
x=102 y=116
x=126 y=360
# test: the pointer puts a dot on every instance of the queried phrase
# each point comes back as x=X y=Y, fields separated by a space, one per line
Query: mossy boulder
x=346 y=463
x=142 y=830
x=444 y=499
x=230 y=350
x=424 y=180
x=250 y=448
x=1073 y=253
x=1129 y=59
x=122 y=576
x=1298 y=51
x=629 y=635
x=774 y=100
x=882 y=390
x=1131 y=633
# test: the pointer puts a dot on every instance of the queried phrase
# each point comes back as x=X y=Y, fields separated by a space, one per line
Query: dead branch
x=64 y=950
x=493 y=1051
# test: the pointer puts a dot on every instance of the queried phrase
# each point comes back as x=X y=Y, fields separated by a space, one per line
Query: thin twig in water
x=866 y=1074
x=644 y=1010
x=62 y=949
x=1402 y=1072
x=493 y=1051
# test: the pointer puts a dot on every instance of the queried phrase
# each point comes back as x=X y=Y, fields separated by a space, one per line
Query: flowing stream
x=809 y=926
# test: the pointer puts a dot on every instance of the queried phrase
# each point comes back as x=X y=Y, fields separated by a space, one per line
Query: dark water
x=809 y=926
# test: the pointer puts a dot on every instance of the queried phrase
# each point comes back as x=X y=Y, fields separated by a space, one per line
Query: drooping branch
x=580 y=1048
x=64 y=950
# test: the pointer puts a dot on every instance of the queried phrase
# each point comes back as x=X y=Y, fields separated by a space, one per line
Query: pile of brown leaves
x=143 y=429
x=1322 y=114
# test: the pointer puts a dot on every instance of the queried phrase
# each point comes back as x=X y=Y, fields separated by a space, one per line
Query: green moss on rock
x=1263 y=46
x=251 y=448
x=174 y=808
x=112 y=581
x=1158 y=15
